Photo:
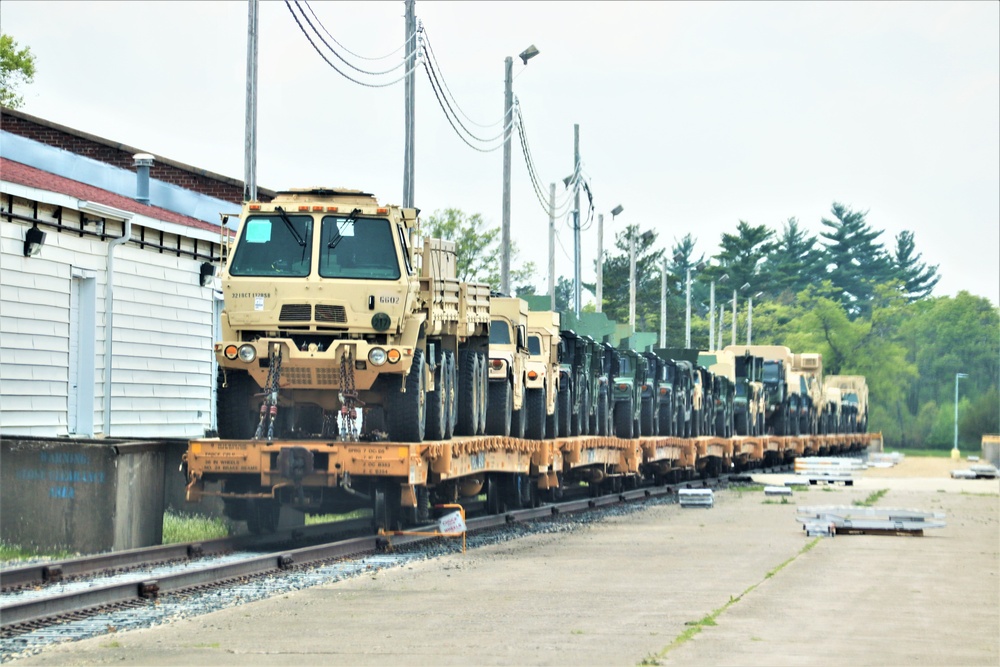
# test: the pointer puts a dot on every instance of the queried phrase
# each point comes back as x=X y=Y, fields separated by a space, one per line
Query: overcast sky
x=693 y=116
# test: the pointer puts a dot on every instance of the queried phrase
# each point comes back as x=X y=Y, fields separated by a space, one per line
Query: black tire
x=741 y=424
x=386 y=514
x=494 y=495
x=603 y=427
x=564 y=407
x=499 y=408
x=623 y=419
x=552 y=421
x=585 y=411
x=576 y=418
x=484 y=383
x=237 y=415
x=535 y=400
x=405 y=414
x=435 y=404
x=519 y=419
x=696 y=423
x=666 y=421
x=468 y=394
x=451 y=395
x=646 y=417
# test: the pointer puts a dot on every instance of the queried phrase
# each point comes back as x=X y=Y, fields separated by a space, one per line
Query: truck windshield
x=274 y=245
x=357 y=248
x=772 y=371
x=625 y=366
x=534 y=345
x=499 y=333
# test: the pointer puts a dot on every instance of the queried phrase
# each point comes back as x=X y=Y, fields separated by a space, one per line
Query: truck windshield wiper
x=291 y=228
x=337 y=236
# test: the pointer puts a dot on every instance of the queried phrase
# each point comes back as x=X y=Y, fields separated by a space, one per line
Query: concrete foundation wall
x=83 y=496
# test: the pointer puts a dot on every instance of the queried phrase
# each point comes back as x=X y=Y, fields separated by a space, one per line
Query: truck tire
x=535 y=399
x=564 y=407
x=499 y=408
x=603 y=427
x=646 y=417
x=237 y=420
x=696 y=423
x=623 y=419
x=666 y=424
x=741 y=424
x=451 y=395
x=405 y=414
x=576 y=418
x=434 y=421
x=468 y=393
x=484 y=383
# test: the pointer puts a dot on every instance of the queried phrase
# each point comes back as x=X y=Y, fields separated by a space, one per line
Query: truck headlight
x=377 y=356
x=247 y=353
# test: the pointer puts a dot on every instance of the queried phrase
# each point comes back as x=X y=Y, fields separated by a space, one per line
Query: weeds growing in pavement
x=872 y=498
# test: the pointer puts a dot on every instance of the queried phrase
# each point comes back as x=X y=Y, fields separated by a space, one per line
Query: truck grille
x=325 y=313
x=296 y=312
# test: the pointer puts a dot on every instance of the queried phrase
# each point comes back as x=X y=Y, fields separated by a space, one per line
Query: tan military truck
x=832 y=419
x=542 y=383
x=331 y=309
x=505 y=413
x=810 y=365
x=778 y=385
x=853 y=401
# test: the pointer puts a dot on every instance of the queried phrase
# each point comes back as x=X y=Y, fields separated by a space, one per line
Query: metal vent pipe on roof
x=143 y=161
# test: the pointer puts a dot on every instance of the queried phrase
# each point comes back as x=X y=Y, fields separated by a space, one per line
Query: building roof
x=22 y=174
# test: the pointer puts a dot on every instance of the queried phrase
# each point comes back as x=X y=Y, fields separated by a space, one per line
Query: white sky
x=693 y=116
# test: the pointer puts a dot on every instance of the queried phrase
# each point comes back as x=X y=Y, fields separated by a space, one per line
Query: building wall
x=162 y=364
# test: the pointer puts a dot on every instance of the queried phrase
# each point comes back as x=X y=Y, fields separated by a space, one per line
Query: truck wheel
x=405 y=414
x=552 y=422
x=663 y=416
x=589 y=422
x=518 y=419
x=484 y=382
x=499 y=408
x=623 y=419
x=646 y=417
x=741 y=424
x=603 y=427
x=696 y=423
x=468 y=394
x=576 y=419
x=237 y=416
x=435 y=403
x=535 y=399
x=451 y=395
x=564 y=407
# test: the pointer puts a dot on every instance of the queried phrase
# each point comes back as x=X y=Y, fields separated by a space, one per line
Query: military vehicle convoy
x=357 y=371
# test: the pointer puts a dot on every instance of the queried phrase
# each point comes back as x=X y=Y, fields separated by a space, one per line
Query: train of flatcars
x=356 y=370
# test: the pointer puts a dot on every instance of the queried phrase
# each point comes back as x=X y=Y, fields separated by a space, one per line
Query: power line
x=437 y=66
x=356 y=55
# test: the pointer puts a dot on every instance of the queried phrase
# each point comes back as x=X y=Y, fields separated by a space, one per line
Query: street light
x=687 y=312
x=711 y=313
x=750 y=316
x=508 y=115
x=615 y=212
x=954 y=451
x=646 y=237
x=742 y=287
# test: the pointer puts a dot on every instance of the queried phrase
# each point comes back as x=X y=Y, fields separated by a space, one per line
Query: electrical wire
x=357 y=55
x=432 y=73
x=451 y=121
x=332 y=50
x=444 y=84
x=536 y=182
x=335 y=68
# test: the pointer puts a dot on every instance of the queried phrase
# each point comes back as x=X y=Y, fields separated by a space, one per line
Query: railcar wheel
x=405 y=416
x=262 y=515
x=535 y=399
x=386 y=514
x=501 y=406
x=494 y=496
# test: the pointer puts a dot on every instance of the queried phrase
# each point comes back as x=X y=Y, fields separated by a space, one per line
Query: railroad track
x=23 y=616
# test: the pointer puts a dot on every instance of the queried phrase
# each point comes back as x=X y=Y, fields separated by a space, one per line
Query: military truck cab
x=505 y=414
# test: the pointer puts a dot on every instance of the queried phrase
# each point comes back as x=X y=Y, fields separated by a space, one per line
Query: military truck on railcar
x=810 y=365
x=748 y=403
x=543 y=370
x=776 y=377
x=722 y=365
x=658 y=405
x=684 y=371
x=854 y=401
x=626 y=392
x=700 y=384
x=579 y=370
x=330 y=307
x=505 y=413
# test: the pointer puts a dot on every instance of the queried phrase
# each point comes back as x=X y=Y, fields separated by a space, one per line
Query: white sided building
x=108 y=306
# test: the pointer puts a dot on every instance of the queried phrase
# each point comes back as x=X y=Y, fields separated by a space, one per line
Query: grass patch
x=326 y=518
x=178 y=527
x=694 y=627
x=747 y=488
x=970 y=493
x=15 y=552
x=872 y=498
x=772 y=501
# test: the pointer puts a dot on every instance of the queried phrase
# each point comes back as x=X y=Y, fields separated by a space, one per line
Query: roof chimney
x=143 y=161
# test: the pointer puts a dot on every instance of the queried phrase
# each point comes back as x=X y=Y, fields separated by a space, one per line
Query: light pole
x=508 y=117
x=615 y=212
x=954 y=451
x=750 y=317
x=646 y=238
x=663 y=304
x=742 y=287
x=711 y=312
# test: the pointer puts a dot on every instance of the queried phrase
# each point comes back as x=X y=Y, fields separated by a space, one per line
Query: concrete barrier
x=991 y=449
x=85 y=496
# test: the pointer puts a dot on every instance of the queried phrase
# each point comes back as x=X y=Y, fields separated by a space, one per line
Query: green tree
x=854 y=258
x=476 y=248
x=794 y=263
x=917 y=278
x=17 y=67
x=741 y=255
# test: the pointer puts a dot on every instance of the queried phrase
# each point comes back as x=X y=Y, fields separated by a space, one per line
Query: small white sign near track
x=452 y=523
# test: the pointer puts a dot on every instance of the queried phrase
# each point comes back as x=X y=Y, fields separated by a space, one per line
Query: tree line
x=868 y=308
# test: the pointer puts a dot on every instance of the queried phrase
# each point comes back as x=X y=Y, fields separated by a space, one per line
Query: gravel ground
x=733 y=585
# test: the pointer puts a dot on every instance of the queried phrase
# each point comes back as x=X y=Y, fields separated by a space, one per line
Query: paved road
x=634 y=589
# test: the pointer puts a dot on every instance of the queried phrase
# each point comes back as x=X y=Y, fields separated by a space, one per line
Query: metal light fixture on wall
x=207 y=274
x=34 y=239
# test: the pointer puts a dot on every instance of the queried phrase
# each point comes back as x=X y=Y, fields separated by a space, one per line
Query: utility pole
x=734 y=317
x=663 y=304
x=600 y=261
x=711 y=316
x=631 y=280
x=552 y=246
x=687 y=312
x=954 y=452
x=576 y=218
x=409 y=104
x=508 y=105
x=250 y=143
x=722 y=317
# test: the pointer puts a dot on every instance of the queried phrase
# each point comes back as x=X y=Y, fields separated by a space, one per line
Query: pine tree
x=916 y=277
x=855 y=261
x=795 y=261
